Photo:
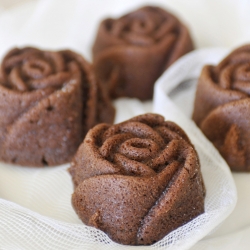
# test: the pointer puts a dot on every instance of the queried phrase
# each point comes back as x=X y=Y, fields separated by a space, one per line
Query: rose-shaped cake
x=137 y=180
x=222 y=107
x=48 y=102
x=131 y=52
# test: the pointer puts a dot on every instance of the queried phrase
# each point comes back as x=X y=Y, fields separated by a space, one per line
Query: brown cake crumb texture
x=137 y=180
x=222 y=107
x=131 y=52
x=48 y=102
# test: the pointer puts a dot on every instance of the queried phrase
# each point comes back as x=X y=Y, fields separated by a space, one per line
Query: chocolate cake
x=137 y=180
x=222 y=107
x=48 y=102
x=131 y=52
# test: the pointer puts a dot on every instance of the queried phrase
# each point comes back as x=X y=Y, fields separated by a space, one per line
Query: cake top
x=28 y=68
x=141 y=146
x=233 y=72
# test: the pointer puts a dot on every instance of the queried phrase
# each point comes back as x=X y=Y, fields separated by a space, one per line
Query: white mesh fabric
x=44 y=218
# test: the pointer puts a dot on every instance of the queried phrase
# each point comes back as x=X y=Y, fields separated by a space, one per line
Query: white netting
x=48 y=220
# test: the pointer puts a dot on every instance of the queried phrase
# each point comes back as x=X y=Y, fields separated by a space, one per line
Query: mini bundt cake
x=131 y=52
x=222 y=107
x=137 y=180
x=48 y=102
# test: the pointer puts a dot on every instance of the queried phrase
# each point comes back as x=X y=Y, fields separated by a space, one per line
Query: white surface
x=58 y=24
x=6 y=4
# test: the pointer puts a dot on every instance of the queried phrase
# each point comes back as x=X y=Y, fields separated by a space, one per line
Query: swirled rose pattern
x=137 y=180
x=48 y=101
x=222 y=107
x=131 y=52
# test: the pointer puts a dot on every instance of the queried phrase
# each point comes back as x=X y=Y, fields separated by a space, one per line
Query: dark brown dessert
x=131 y=52
x=137 y=180
x=48 y=102
x=222 y=107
